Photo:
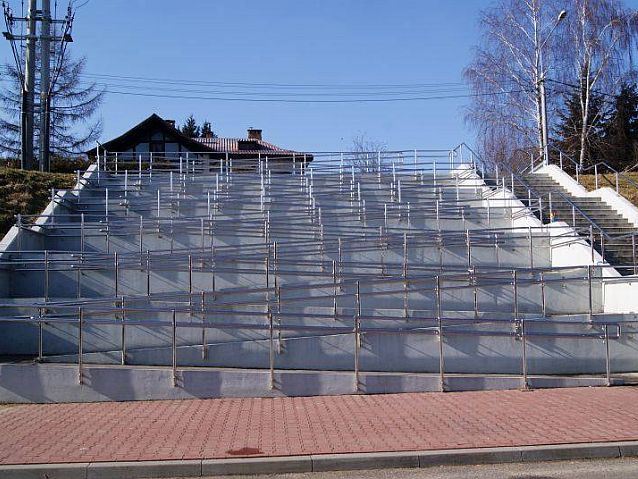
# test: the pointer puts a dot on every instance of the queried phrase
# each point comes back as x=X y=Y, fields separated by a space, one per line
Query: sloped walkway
x=221 y=428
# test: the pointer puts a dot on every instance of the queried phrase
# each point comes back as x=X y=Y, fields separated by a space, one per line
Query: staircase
x=612 y=234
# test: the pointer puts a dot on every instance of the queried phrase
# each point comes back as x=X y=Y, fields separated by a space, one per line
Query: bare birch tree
x=595 y=55
x=505 y=74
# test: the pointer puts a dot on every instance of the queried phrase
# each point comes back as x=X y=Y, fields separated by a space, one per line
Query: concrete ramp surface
x=384 y=272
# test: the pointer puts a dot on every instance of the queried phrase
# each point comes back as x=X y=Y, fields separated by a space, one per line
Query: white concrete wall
x=618 y=202
x=608 y=195
x=563 y=179
x=620 y=295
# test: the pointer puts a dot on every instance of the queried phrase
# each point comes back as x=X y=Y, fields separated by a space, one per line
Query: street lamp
x=541 y=87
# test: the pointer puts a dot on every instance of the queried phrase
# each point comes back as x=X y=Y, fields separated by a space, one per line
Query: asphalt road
x=595 y=469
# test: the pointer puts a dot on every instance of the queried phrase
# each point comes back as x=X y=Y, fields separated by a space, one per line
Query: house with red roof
x=158 y=139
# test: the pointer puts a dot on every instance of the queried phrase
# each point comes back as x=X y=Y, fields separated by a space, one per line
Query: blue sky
x=336 y=42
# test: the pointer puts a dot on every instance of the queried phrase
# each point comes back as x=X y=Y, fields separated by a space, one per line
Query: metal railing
x=307 y=238
x=196 y=309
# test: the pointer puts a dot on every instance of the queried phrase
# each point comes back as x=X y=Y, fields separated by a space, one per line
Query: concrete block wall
x=305 y=218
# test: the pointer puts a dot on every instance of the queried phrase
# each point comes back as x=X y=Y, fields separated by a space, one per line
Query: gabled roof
x=153 y=123
x=240 y=146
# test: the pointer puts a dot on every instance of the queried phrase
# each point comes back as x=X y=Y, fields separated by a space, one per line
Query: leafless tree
x=504 y=75
x=365 y=152
x=595 y=55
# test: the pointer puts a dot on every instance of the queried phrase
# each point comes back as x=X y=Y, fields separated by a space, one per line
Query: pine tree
x=620 y=132
x=190 y=128
x=74 y=107
x=570 y=127
x=207 y=130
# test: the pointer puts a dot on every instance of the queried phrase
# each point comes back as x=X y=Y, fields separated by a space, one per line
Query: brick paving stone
x=257 y=427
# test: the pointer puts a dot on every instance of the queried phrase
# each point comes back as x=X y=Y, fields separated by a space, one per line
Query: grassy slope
x=27 y=193
x=627 y=190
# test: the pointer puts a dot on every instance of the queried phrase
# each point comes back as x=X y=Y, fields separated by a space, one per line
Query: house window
x=157 y=147
x=171 y=148
x=141 y=148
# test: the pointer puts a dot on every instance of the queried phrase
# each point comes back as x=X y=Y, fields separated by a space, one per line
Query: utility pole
x=542 y=93
x=45 y=85
x=28 y=90
x=544 y=128
x=47 y=79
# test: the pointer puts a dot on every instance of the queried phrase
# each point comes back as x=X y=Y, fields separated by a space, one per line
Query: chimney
x=170 y=123
x=208 y=134
x=254 y=134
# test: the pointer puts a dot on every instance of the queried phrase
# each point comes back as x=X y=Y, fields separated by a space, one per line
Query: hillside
x=27 y=193
x=627 y=190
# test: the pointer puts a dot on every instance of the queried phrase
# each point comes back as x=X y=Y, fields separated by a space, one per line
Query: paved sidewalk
x=222 y=428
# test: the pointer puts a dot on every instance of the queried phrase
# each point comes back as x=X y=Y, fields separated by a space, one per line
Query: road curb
x=320 y=462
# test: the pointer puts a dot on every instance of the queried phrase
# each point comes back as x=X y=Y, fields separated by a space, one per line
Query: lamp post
x=541 y=90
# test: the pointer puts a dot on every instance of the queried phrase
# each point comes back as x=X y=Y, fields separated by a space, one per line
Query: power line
x=270 y=84
x=292 y=97
x=285 y=100
x=578 y=87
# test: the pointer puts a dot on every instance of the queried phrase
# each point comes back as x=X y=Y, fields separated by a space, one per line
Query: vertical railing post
x=524 y=354
x=531 y=247
x=46 y=275
x=439 y=322
x=271 y=351
x=590 y=293
x=334 y=288
x=607 y=356
x=357 y=338
x=40 y=336
x=123 y=334
x=405 y=277
x=633 y=252
x=106 y=205
x=515 y=293
x=203 y=311
x=174 y=348
x=543 y=298
x=80 y=346
x=116 y=273
x=617 y=183
x=190 y=282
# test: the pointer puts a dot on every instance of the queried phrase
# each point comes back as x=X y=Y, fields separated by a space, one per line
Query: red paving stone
x=218 y=428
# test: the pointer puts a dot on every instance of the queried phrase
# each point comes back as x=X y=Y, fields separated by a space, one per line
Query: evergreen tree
x=75 y=103
x=207 y=130
x=190 y=128
x=570 y=127
x=620 y=132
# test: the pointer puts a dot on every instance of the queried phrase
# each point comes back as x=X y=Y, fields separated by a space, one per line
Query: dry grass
x=626 y=189
x=27 y=193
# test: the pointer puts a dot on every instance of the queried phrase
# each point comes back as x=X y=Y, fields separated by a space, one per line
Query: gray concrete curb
x=321 y=462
